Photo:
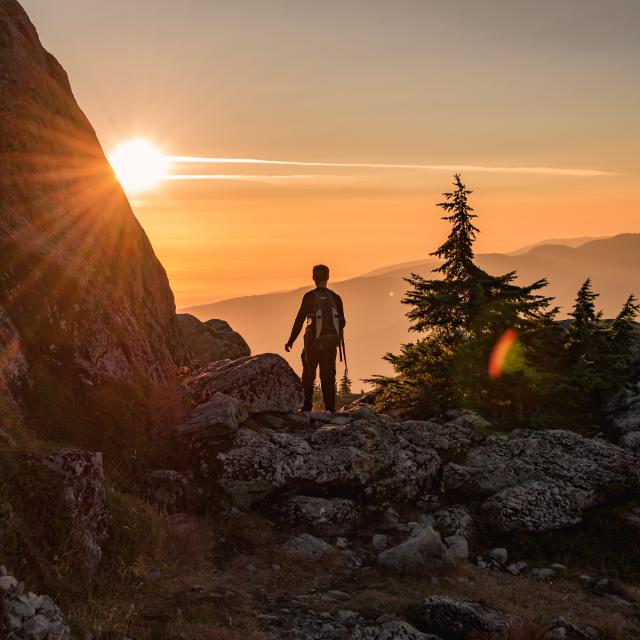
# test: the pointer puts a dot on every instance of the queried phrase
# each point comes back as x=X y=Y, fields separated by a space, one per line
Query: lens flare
x=501 y=352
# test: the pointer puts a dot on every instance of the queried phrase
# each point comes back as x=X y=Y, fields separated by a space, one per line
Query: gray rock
x=263 y=383
x=80 y=476
x=543 y=573
x=209 y=341
x=464 y=619
x=378 y=459
x=218 y=417
x=328 y=516
x=458 y=547
x=535 y=506
x=516 y=568
x=631 y=440
x=36 y=628
x=379 y=542
x=543 y=480
x=454 y=521
x=307 y=547
x=499 y=555
x=559 y=633
x=396 y=630
x=422 y=552
x=7 y=582
x=22 y=610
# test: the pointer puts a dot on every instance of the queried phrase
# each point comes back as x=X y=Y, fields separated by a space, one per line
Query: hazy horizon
x=537 y=101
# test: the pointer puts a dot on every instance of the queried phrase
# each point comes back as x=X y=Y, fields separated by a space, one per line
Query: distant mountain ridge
x=376 y=319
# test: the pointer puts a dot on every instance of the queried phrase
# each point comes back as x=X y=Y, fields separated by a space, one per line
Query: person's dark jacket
x=306 y=309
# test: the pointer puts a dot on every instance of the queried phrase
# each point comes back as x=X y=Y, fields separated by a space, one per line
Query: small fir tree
x=345 y=384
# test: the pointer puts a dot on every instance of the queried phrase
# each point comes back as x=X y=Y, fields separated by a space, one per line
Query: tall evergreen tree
x=625 y=329
x=460 y=318
x=599 y=359
x=586 y=323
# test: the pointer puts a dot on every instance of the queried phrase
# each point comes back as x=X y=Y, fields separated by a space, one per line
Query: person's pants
x=323 y=356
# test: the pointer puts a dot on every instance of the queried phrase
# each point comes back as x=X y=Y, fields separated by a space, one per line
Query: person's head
x=321 y=275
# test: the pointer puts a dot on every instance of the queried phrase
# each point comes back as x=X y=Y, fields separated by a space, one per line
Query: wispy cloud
x=550 y=171
x=243 y=177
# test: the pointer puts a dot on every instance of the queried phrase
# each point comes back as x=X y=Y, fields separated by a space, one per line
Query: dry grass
x=204 y=591
x=537 y=603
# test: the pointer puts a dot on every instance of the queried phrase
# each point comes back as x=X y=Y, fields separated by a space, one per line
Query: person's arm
x=297 y=324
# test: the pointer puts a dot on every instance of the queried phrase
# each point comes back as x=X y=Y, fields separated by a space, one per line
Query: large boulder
x=72 y=482
x=535 y=507
x=537 y=481
x=423 y=552
x=209 y=341
x=369 y=455
x=464 y=620
x=219 y=416
x=261 y=383
x=84 y=302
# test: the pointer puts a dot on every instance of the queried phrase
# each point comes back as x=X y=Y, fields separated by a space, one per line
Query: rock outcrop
x=464 y=620
x=262 y=384
x=75 y=480
x=28 y=616
x=83 y=299
x=363 y=454
x=539 y=481
x=322 y=469
x=209 y=341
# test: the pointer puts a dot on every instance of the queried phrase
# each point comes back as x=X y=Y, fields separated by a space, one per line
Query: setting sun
x=138 y=165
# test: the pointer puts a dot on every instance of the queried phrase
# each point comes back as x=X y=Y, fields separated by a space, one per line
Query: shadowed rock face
x=82 y=295
x=209 y=341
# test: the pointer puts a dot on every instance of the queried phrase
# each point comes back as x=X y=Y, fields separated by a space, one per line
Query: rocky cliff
x=84 y=302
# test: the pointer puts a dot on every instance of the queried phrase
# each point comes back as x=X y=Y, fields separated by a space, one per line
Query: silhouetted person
x=324 y=313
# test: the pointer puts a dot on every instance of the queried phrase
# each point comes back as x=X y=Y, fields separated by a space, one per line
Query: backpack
x=325 y=322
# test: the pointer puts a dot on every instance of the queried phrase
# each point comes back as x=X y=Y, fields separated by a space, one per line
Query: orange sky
x=492 y=84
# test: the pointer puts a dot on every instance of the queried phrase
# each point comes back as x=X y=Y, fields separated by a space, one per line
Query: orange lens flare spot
x=501 y=352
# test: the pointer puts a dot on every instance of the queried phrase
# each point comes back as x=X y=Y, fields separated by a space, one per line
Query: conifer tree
x=586 y=322
x=345 y=384
x=598 y=353
x=624 y=328
x=460 y=317
x=623 y=334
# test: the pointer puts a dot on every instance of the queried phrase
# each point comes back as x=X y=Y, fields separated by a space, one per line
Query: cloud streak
x=549 y=171
x=243 y=177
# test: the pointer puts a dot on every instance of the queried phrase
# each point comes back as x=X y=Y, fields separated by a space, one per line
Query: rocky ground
x=355 y=525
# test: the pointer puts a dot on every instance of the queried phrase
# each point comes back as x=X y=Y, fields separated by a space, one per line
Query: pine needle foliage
x=552 y=372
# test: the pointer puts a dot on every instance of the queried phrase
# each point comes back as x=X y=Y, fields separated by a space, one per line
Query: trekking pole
x=344 y=352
